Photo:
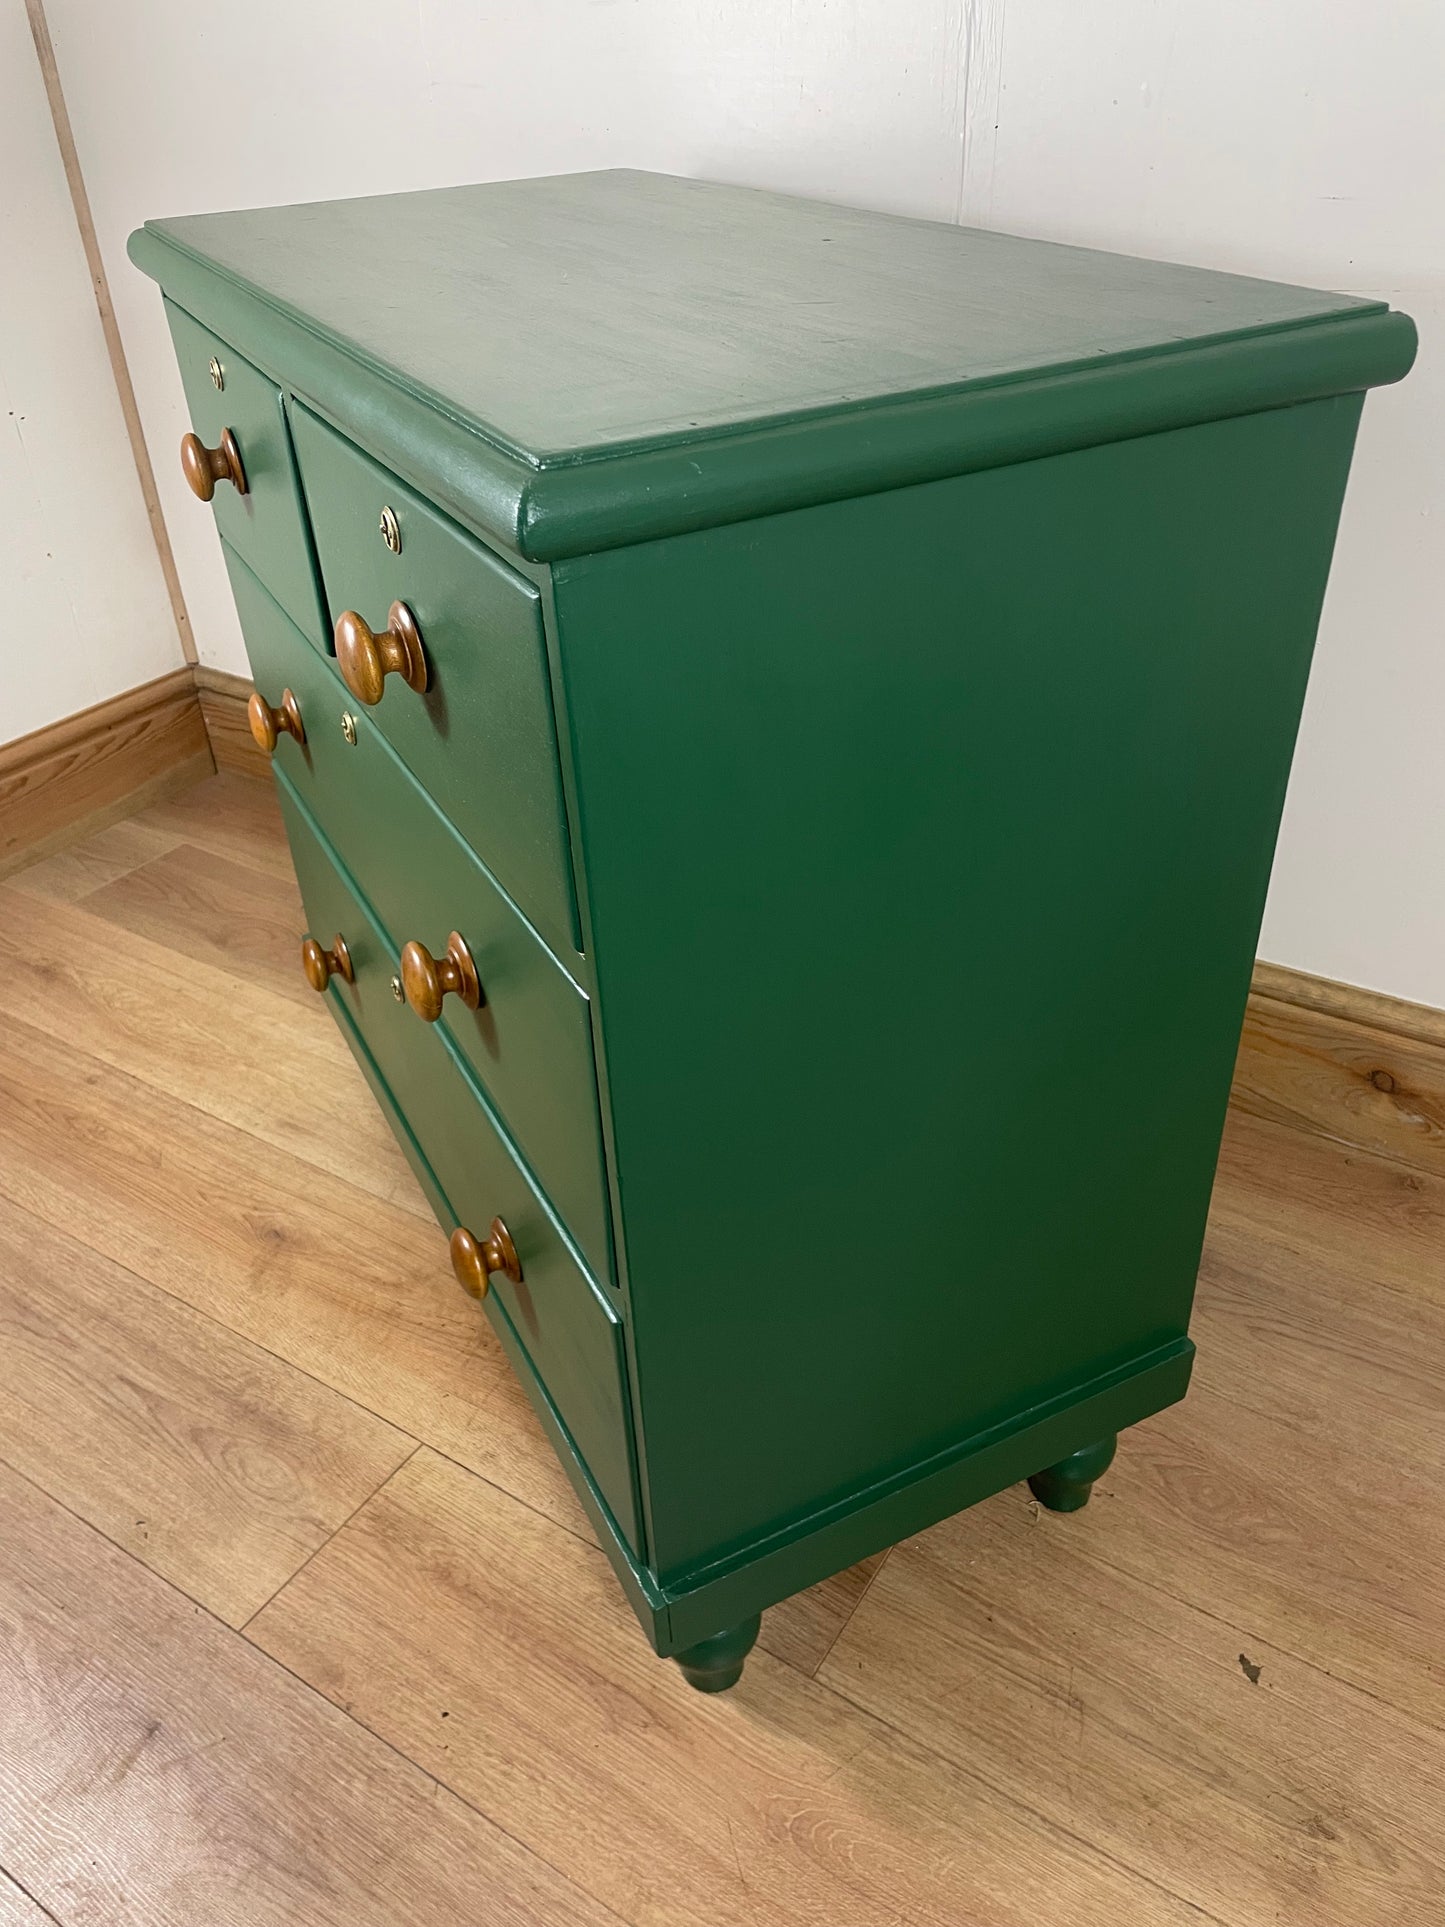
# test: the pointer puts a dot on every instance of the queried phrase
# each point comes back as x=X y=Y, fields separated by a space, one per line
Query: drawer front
x=268 y=523
x=530 y=1043
x=481 y=737
x=573 y=1338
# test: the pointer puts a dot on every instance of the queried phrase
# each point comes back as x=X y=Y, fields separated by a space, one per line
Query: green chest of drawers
x=782 y=716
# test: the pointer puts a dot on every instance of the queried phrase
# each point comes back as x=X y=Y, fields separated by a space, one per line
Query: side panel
x=926 y=840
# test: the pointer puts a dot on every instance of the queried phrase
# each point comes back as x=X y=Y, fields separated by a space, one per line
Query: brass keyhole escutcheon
x=218 y=375
x=348 y=727
x=398 y=990
x=322 y=965
x=269 y=725
x=203 y=467
x=474 y=1260
x=428 y=980
x=390 y=530
x=366 y=659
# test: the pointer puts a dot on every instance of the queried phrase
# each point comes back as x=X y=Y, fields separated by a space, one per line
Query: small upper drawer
x=267 y=524
x=480 y=737
x=573 y=1338
x=530 y=1042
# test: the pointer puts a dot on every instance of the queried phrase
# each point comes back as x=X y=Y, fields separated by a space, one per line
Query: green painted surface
x=565 y=316
x=570 y=1333
x=927 y=628
x=587 y=361
x=481 y=738
x=927 y=840
x=267 y=524
x=530 y=1044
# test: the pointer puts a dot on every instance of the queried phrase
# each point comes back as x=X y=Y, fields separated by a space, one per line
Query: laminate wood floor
x=299 y=1622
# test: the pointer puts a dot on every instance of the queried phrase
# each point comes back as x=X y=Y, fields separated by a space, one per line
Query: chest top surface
x=589 y=319
x=586 y=311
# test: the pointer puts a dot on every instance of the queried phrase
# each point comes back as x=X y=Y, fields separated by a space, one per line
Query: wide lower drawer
x=530 y=1042
x=572 y=1336
x=481 y=737
x=267 y=524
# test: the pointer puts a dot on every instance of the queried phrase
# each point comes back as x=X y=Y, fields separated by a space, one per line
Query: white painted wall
x=86 y=613
x=1300 y=140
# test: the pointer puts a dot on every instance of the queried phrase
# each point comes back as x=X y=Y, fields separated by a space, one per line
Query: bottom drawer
x=569 y=1332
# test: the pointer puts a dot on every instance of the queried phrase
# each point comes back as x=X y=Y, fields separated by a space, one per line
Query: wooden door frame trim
x=114 y=347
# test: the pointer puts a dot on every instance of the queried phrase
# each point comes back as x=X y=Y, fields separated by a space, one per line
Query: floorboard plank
x=89 y=865
x=158 y=1771
x=802 y=1629
x=1338 y=1560
x=495 y=1650
x=18 y=1910
x=351 y=1290
x=206 y=906
x=277 y=1069
x=232 y=816
x=1128 y=1716
x=208 y=1459
x=1365 y=1219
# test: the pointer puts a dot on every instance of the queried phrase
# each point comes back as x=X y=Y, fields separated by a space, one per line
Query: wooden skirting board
x=223 y=704
x=1344 y=1063
x=73 y=777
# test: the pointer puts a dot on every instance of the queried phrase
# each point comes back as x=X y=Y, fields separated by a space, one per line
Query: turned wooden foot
x=1065 y=1487
x=717 y=1663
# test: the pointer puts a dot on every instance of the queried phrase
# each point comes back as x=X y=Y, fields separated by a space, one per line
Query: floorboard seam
x=244 y=1628
x=1404 y=1713
x=66 y=1229
x=313 y=1693
x=1010 y=1799
x=852 y=1612
x=1302 y=1127
x=20 y=1887
x=183 y=1104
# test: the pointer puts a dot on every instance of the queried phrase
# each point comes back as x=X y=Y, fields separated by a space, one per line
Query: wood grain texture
x=75 y=776
x=223 y=698
x=18 y=1910
x=352 y=1291
x=1129 y=1717
x=155 y=1768
x=71 y=873
x=1279 y=984
x=209 y=1460
x=1318 y=1070
x=229 y=817
x=660 y=309
x=475 y=1636
x=801 y=1630
x=195 y=1033
x=207 y=907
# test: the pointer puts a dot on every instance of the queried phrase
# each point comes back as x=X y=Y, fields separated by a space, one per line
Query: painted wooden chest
x=782 y=716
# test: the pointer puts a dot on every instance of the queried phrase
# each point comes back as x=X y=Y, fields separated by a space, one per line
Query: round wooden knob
x=203 y=467
x=322 y=965
x=473 y=1263
x=427 y=979
x=366 y=660
x=268 y=725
